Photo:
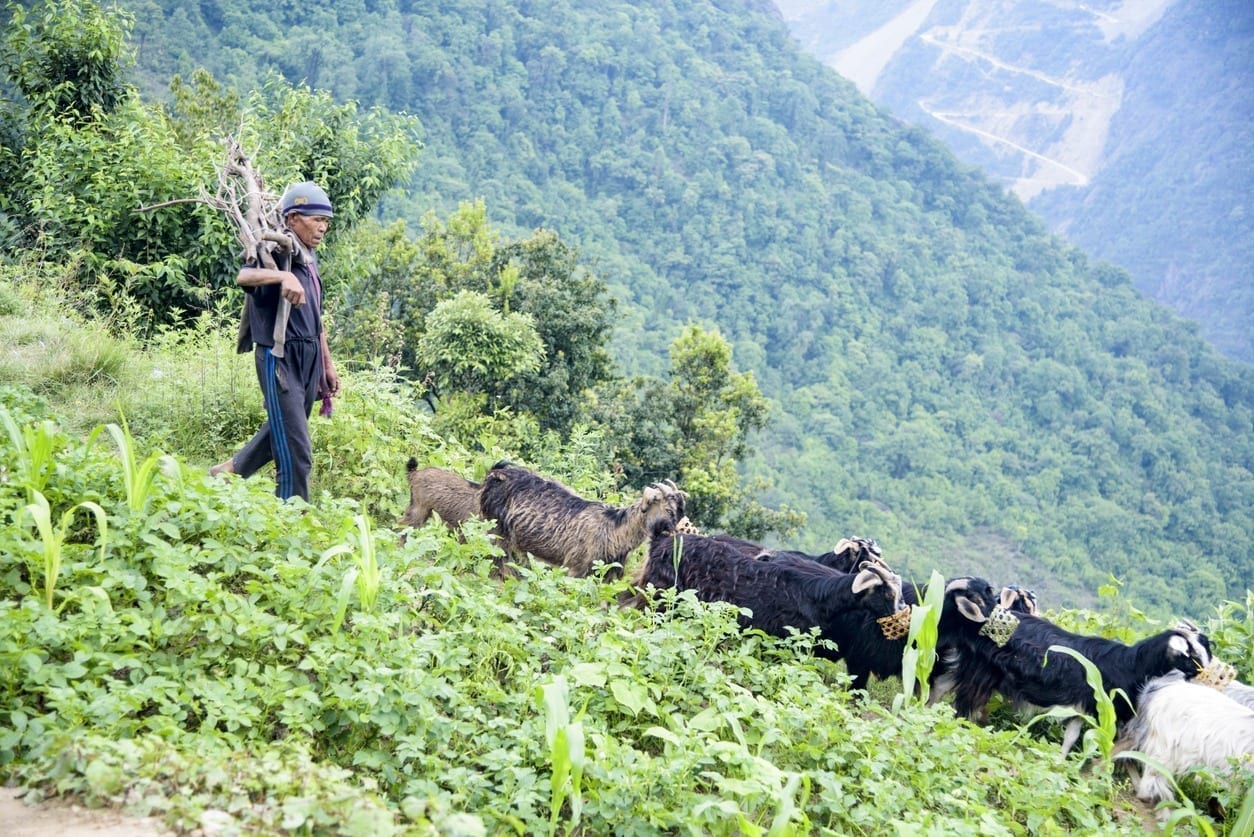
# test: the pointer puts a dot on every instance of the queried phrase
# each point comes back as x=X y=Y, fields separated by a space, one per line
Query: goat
x=780 y=594
x=1017 y=599
x=969 y=601
x=967 y=605
x=1022 y=669
x=1184 y=725
x=451 y=496
x=953 y=634
x=542 y=517
x=847 y=556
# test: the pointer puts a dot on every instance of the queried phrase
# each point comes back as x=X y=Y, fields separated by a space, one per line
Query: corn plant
x=919 y=657
x=138 y=477
x=792 y=801
x=52 y=538
x=566 y=751
x=34 y=445
x=1104 y=725
x=364 y=576
x=1245 y=816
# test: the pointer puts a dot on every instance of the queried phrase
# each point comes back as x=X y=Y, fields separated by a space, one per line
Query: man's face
x=310 y=229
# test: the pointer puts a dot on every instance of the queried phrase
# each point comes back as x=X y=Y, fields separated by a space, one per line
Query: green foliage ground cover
x=296 y=668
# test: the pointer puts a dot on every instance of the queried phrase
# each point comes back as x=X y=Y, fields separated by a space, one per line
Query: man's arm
x=329 y=375
x=289 y=286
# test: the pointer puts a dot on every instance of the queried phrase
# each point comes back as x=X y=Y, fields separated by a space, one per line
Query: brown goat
x=548 y=520
x=449 y=495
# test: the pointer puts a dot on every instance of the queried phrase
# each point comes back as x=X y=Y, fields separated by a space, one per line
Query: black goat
x=542 y=517
x=780 y=594
x=966 y=607
x=968 y=603
x=846 y=557
x=1018 y=599
x=1024 y=670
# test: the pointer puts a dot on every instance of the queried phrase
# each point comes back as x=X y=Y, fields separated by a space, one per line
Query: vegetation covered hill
x=1125 y=125
x=945 y=375
x=195 y=650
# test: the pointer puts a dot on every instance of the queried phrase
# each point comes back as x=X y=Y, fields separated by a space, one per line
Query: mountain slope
x=1126 y=125
x=947 y=376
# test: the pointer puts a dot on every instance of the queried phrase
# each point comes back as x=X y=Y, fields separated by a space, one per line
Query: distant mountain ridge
x=1127 y=126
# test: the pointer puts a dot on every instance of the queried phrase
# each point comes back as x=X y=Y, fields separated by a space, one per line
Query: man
x=294 y=366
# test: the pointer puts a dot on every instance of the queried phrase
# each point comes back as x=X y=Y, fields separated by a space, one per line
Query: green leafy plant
x=34 y=446
x=52 y=538
x=1244 y=823
x=364 y=576
x=138 y=477
x=919 y=657
x=1231 y=634
x=567 y=753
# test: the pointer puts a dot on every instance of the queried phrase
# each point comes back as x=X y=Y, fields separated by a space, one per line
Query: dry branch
x=242 y=197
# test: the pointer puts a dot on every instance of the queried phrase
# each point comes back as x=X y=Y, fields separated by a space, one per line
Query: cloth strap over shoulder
x=275 y=251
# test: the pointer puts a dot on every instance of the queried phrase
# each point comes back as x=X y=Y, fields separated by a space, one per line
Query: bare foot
x=227 y=467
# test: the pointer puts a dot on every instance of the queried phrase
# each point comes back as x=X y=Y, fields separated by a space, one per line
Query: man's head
x=306 y=210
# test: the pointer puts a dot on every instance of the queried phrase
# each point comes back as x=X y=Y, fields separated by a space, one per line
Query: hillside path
x=66 y=819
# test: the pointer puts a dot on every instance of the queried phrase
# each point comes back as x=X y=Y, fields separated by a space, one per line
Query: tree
x=95 y=176
x=540 y=277
x=543 y=277
x=471 y=347
x=695 y=428
x=67 y=58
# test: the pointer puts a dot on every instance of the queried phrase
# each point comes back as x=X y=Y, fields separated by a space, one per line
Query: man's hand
x=330 y=378
x=291 y=289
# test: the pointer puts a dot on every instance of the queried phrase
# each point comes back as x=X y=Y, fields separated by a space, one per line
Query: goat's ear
x=651 y=495
x=865 y=580
x=1007 y=597
x=970 y=609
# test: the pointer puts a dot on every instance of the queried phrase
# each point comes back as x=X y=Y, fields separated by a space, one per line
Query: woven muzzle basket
x=1217 y=674
x=684 y=527
x=895 y=625
x=999 y=626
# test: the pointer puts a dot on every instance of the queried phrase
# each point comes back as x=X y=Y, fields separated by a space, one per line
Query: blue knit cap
x=306 y=198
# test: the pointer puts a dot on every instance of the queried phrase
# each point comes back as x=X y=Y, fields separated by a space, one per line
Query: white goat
x=1184 y=725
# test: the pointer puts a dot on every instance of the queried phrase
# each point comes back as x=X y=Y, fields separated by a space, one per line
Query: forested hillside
x=1125 y=125
x=946 y=376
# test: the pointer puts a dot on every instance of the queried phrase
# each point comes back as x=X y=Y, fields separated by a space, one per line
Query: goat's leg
x=1071 y=734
